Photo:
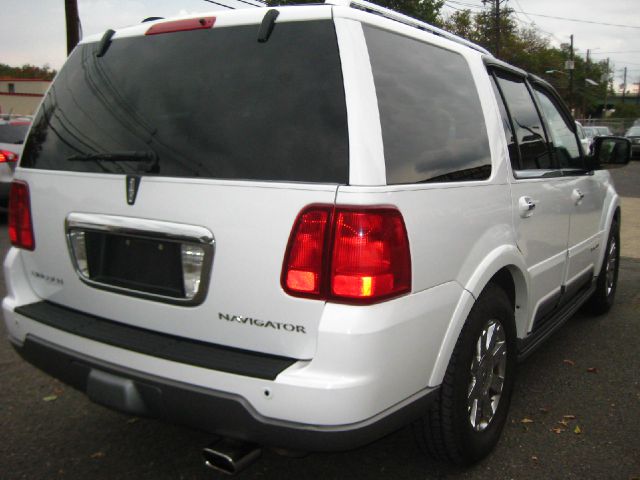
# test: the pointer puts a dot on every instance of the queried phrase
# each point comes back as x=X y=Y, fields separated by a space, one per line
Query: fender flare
x=504 y=256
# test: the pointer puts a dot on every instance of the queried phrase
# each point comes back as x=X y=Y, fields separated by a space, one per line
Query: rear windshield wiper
x=133 y=156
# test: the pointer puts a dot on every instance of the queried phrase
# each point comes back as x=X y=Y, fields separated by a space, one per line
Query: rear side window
x=565 y=144
x=530 y=134
x=433 y=128
x=207 y=103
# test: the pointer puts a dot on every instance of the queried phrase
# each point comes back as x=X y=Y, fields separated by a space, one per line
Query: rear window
x=13 y=133
x=207 y=103
x=432 y=123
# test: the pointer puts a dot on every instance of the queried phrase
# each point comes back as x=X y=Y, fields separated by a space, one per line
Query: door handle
x=577 y=196
x=526 y=205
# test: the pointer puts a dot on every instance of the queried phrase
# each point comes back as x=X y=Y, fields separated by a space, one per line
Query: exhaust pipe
x=230 y=456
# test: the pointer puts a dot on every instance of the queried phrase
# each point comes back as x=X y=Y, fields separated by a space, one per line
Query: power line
x=579 y=20
x=220 y=4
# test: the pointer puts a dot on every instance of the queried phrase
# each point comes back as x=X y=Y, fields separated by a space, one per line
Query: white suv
x=303 y=227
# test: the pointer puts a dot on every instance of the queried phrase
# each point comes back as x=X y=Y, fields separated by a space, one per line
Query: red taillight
x=302 y=270
x=7 y=157
x=20 y=224
x=371 y=257
x=350 y=254
x=202 y=23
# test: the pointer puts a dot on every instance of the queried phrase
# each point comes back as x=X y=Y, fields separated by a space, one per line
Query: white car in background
x=584 y=139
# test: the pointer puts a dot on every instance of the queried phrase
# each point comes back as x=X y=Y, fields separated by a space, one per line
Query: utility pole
x=606 y=90
x=624 y=85
x=496 y=12
x=73 y=24
x=571 y=65
x=497 y=28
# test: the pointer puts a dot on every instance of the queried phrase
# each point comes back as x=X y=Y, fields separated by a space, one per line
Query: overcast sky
x=33 y=31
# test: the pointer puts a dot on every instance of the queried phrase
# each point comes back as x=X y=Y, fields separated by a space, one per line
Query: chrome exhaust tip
x=230 y=456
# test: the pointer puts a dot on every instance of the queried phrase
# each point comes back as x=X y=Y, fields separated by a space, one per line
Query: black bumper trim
x=218 y=412
x=160 y=345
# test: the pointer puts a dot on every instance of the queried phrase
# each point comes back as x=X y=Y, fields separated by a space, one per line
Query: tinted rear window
x=433 y=128
x=208 y=103
x=13 y=133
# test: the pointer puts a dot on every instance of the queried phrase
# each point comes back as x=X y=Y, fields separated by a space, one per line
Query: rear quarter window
x=433 y=127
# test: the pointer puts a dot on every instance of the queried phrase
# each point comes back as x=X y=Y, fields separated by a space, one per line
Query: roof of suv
x=244 y=15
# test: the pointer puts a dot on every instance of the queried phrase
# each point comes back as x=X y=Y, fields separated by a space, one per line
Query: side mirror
x=610 y=152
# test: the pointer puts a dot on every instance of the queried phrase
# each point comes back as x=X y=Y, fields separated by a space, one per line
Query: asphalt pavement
x=575 y=412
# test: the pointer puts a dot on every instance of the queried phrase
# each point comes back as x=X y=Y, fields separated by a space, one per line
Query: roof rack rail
x=405 y=19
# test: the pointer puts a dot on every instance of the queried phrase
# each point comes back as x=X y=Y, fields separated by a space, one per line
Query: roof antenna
x=105 y=43
x=266 y=27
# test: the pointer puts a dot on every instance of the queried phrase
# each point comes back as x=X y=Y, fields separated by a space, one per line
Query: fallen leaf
x=577 y=430
x=564 y=423
x=132 y=420
x=568 y=362
x=50 y=398
x=569 y=417
x=534 y=458
x=557 y=430
x=526 y=420
x=592 y=370
x=543 y=410
x=98 y=455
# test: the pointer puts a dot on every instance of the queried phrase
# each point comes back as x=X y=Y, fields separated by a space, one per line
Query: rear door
x=541 y=207
x=586 y=190
x=177 y=163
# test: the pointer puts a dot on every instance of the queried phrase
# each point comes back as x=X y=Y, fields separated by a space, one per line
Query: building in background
x=21 y=96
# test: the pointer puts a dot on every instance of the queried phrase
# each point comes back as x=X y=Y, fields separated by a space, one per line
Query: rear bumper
x=213 y=411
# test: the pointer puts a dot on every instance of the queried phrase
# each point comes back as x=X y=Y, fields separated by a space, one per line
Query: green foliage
x=27 y=71
x=526 y=48
x=626 y=111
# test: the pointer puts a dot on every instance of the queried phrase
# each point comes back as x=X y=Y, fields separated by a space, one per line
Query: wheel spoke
x=496 y=384
x=488 y=368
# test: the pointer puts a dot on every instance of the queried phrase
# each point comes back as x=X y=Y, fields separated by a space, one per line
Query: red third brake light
x=20 y=222
x=202 y=23
x=350 y=254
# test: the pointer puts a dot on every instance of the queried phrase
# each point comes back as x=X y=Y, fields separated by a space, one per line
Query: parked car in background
x=603 y=131
x=584 y=139
x=12 y=134
x=590 y=132
x=633 y=134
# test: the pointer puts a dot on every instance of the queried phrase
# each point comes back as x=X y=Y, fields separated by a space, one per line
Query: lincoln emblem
x=133 y=182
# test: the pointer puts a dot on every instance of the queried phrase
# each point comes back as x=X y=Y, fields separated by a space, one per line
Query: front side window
x=565 y=145
x=432 y=122
x=530 y=135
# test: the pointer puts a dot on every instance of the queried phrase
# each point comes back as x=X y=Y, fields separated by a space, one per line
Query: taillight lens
x=7 y=156
x=20 y=221
x=371 y=257
x=302 y=270
x=348 y=254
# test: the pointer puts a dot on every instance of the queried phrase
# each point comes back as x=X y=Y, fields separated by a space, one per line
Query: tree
x=27 y=71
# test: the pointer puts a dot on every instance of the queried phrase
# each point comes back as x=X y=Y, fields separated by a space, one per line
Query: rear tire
x=465 y=423
x=602 y=299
